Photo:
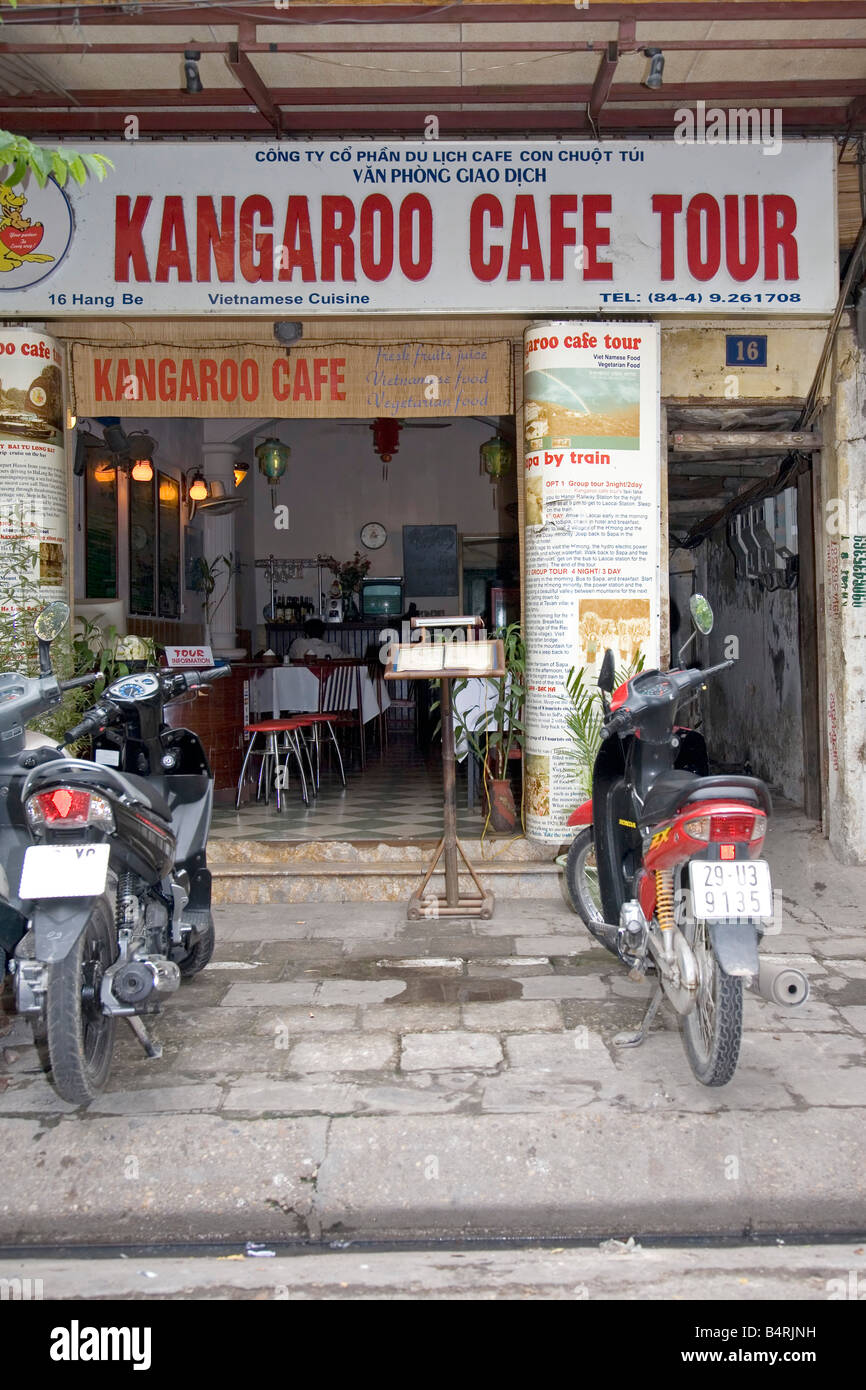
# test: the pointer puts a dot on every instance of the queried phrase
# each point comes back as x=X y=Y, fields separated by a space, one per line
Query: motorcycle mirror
x=51 y=621
x=607 y=674
x=702 y=613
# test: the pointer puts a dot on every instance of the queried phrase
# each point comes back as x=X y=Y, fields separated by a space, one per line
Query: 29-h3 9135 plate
x=739 y=888
x=64 y=871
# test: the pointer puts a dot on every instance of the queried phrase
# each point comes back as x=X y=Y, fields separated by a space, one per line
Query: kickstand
x=153 y=1049
x=635 y=1039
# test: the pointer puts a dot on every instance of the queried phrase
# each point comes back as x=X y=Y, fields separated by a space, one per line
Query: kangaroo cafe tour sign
x=650 y=227
x=320 y=381
x=592 y=517
x=33 y=503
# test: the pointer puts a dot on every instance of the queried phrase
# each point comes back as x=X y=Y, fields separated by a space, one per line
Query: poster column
x=33 y=484
x=592 y=490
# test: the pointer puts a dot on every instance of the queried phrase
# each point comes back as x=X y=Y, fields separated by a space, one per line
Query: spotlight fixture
x=85 y=441
x=190 y=71
x=115 y=438
x=653 y=80
x=288 y=331
x=240 y=471
x=198 y=487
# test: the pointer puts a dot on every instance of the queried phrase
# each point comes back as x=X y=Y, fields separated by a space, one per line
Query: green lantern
x=497 y=459
x=273 y=457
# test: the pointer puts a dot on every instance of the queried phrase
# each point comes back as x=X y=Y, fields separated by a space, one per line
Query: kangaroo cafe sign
x=651 y=227
x=324 y=380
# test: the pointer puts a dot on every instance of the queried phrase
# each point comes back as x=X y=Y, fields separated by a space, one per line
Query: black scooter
x=106 y=866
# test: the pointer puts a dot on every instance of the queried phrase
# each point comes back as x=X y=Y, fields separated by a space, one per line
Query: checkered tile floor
x=398 y=797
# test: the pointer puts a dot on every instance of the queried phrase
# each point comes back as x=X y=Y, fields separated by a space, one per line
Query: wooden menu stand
x=418 y=661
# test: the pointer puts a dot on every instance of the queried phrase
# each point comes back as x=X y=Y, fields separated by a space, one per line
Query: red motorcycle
x=667 y=871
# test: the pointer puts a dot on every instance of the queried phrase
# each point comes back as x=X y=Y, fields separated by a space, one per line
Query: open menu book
x=477 y=657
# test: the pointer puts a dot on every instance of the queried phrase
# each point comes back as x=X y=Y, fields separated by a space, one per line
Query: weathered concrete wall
x=841 y=565
x=753 y=711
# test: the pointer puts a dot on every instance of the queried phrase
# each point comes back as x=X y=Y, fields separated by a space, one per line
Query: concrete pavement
x=790 y=1273
x=340 y=1073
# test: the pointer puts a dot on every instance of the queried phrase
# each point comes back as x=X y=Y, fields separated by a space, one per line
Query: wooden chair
x=271 y=730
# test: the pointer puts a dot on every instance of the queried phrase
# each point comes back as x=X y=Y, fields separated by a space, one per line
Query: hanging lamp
x=386 y=440
x=497 y=459
x=198 y=487
x=273 y=459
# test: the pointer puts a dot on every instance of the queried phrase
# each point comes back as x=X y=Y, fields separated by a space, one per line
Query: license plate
x=64 y=871
x=739 y=889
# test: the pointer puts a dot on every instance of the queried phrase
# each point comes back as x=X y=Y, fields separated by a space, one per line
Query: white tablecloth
x=471 y=703
x=296 y=688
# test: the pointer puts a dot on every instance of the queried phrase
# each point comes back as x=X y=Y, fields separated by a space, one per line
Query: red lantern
x=386 y=440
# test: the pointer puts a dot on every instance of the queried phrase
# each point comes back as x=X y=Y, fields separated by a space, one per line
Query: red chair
x=338 y=681
x=270 y=730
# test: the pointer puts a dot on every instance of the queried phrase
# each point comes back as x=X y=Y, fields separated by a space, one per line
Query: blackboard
x=430 y=561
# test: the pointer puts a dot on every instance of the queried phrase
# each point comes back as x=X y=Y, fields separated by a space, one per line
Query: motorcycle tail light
x=699 y=828
x=64 y=808
x=733 y=826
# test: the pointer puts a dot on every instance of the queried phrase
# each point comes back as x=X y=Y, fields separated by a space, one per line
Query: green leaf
x=58 y=167
x=97 y=164
x=19 y=170
x=40 y=163
x=77 y=169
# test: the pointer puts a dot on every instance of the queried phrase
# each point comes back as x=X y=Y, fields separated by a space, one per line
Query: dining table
x=294 y=687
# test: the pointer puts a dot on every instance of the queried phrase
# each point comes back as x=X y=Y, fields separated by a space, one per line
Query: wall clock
x=373 y=535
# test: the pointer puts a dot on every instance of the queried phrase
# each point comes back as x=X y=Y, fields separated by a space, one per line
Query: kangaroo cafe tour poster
x=592 y=517
x=32 y=466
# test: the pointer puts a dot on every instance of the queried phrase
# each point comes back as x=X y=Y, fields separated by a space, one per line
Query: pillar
x=840 y=531
x=218 y=532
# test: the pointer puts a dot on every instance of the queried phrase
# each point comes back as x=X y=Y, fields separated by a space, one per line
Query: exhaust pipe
x=781 y=984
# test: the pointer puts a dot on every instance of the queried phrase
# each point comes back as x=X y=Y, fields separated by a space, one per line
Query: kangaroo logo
x=31 y=246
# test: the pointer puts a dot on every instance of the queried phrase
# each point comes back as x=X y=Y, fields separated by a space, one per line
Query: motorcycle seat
x=147 y=792
x=675 y=789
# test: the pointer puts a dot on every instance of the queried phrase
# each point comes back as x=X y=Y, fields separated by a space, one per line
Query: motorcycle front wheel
x=713 y=1031
x=581 y=878
x=78 y=1034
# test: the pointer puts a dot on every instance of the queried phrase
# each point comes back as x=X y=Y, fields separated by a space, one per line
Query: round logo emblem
x=35 y=231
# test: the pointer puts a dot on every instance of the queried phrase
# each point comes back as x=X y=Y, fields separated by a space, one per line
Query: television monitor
x=382 y=598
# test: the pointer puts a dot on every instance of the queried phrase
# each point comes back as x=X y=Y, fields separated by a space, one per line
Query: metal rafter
x=240 y=67
x=722 y=93
x=802 y=120
x=684 y=11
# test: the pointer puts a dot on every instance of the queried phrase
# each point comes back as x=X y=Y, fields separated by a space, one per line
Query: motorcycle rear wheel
x=198 y=957
x=713 y=1031
x=78 y=1035
x=581 y=878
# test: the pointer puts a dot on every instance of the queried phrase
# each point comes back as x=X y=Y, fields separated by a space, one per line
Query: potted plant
x=212 y=582
x=583 y=719
x=111 y=653
x=348 y=574
x=499 y=729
